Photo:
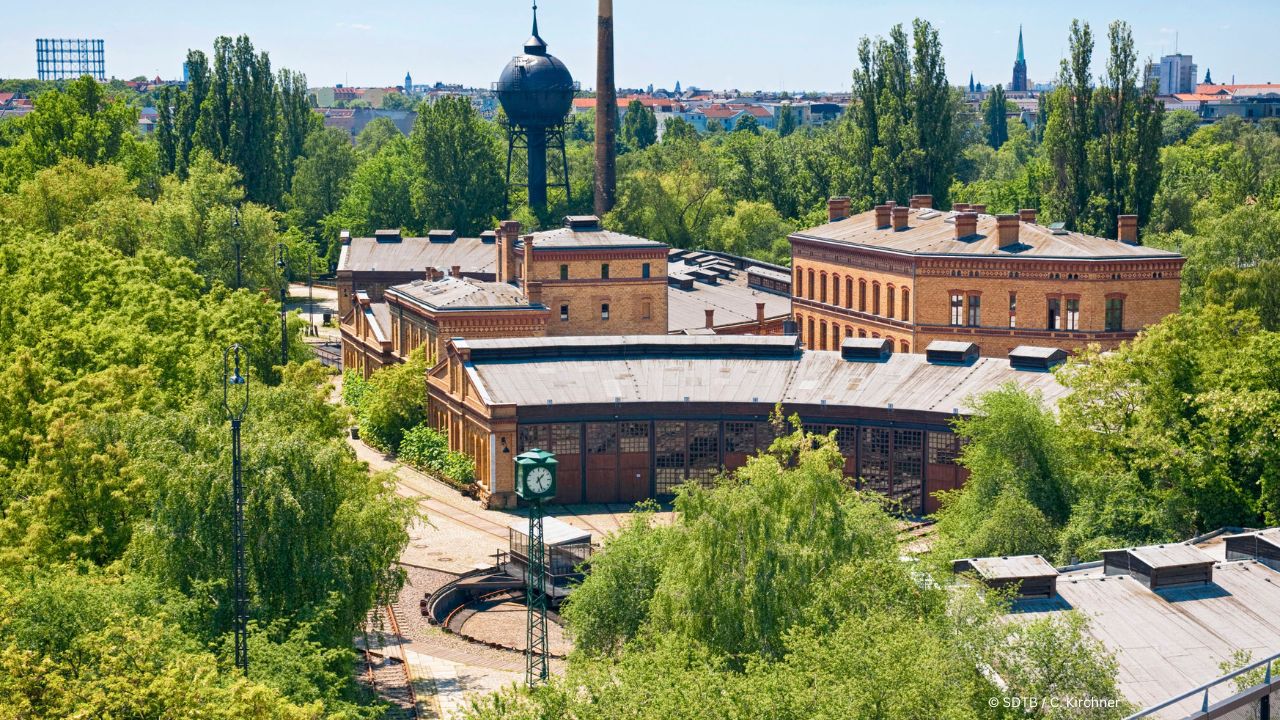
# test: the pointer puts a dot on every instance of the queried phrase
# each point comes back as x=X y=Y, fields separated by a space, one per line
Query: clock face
x=538 y=481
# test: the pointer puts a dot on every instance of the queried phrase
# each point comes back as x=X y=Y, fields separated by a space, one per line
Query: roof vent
x=1260 y=545
x=387 y=236
x=951 y=352
x=866 y=349
x=1058 y=228
x=488 y=237
x=442 y=236
x=344 y=237
x=1161 y=566
x=1032 y=357
x=582 y=222
x=1031 y=576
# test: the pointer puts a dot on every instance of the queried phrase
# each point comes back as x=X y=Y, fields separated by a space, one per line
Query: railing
x=1204 y=689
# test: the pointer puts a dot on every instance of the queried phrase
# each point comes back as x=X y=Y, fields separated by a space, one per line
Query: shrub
x=427 y=449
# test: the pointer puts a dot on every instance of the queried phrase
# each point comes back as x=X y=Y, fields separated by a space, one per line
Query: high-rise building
x=1173 y=74
x=1020 y=83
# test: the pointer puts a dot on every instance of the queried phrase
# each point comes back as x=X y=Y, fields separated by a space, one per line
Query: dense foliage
x=780 y=593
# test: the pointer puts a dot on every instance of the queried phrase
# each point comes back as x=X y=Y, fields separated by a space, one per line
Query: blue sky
x=796 y=45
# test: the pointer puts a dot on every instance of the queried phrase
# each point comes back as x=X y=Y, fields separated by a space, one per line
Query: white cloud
x=364 y=27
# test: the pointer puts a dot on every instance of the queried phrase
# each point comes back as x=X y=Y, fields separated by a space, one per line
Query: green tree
x=755 y=229
x=458 y=180
x=320 y=176
x=1179 y=125
x=747 y=123
x=376 y=135
x=677 y=129
x=787 y=122
x=996 y=117
x=639 y=126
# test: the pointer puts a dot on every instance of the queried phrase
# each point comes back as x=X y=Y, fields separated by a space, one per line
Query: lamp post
x=235 y=399
x=282 y=263
x=311 y=295
x=235 y=237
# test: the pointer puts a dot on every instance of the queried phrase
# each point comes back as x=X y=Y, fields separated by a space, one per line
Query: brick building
x=373 y=264
x=914 y=275
x=634 y=417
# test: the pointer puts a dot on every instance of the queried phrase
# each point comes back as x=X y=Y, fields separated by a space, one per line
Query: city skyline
x=762 y=47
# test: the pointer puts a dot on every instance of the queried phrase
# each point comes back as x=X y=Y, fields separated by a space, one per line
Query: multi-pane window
x=604 y=311
x=1055 y=314
x=908 y=467
x=1073 y=314
x=957 y=309
x=874 y=458
x=893 y=300
x=668 y=455
x=704 y=451
x=604 y=271
x=975 y=310
x=1115 y=314
x=943 y=449
x=633 y=437
x=1013 y=309
x=812 y=335
x=534 y=436
x=564 y=272
x=644 y=270
x=564 y=313
x=740 y=437
x=602 y=438
x=564 y=439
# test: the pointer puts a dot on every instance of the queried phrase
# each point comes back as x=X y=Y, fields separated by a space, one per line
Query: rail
x=1268 y=662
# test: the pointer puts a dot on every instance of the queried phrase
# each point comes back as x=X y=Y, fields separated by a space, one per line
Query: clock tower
x=536 y=476
x=536 y=483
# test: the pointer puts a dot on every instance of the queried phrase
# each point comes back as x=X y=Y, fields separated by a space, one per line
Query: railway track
x=386 y=668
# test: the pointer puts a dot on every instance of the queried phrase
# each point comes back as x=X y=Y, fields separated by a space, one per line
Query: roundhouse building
x=633 y=417
x=914 y=275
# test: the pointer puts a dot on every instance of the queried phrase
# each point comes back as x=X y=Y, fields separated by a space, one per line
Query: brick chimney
x=922 y=202
x=508 y=232
x=838 y=208
x=900 y=218
x=966 y=225
x=760 y=315
x=882 y=216
x=1007 y=230
x=533 y=292
x=456 y=271
x=960 y=207
x=344 y=237
x=1027 y=215
x=1127 y=229
x=711 y=317
x=980 y=209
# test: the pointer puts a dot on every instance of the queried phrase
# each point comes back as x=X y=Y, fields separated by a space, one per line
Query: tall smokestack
x=606 y=113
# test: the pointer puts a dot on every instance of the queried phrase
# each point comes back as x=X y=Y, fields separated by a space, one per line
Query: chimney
x=1007 y=230
x=1127 y=229
x=456 y=271
x=980 y=209
x=838 y=208
x=533 y=293
x=508 y=231
x=960 y=207
x=606 y=112
x=922 y=202
x=891 y=203
x=1027 y=215
x=900 y=218
x=966 y=225
x=344 y=237
x=882 y=216
x=760 y=315
x=711 y=317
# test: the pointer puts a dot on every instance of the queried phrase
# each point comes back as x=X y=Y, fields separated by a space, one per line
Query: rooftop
x=732 y=299
x=1168 y=555
x=590 y=237
x=932 y=232
x=1012 y=567
x=727 y=369
x=416 y=254
x=459 y=294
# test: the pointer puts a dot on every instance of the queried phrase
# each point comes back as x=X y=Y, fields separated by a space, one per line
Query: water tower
x=536 y=92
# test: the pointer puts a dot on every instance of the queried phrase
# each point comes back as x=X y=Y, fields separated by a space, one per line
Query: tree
x=639 y=126
x=747 y=123
x=1068 y=130
x=755 y=229
x=1179 y=125
x=379 y=194
x=677 y=129
x=376 y=135
x=786 y=120
x=458 y=180
x=997 y=118
x=320 y=176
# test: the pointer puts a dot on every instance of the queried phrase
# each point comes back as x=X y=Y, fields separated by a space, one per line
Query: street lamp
x=235 y=237
x=235 y=399
x=282 y=264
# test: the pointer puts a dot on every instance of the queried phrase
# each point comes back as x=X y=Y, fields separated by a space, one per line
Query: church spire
x=1020 y=56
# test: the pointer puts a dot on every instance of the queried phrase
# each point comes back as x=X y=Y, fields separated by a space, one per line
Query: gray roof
x=1012 y=567
x=767 y=273
x=416 y=255
x=568 y=238
x=732 y=299
x=554 y=531
x=743 y=369
x=457 y=294
x=1169 y=641
x=931 y=232
x=1168 y=555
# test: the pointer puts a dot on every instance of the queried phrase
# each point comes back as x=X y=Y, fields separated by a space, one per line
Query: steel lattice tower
x=235 y=382
x=536 y=601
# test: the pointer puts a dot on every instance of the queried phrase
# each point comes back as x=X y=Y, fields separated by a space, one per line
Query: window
x=1115 y=314
x=822 y=289
x=809 y=338
x=875 y=298
x=799 y=283
x=975 y=310
x=957 y=309
x=564 y=272
x=848 y=331
x=835 y=289
x=1055 y=313
x=822 y=335
x=1013 y=309
x=893 y=300
x=646 y=310
x=810 y=295
x=564 y=313
x=633 y=437
x=848 y=292
x=604 y=271
x=862 y=295
x=906 y=304
x=905 y=347
x=1073 y=314
x=604 y=311
x=862 y=333
x=644 y=270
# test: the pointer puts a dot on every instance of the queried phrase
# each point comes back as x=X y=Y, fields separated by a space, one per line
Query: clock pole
x=536 y=600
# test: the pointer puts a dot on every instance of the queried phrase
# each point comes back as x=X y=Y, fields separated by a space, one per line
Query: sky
x=719 y=44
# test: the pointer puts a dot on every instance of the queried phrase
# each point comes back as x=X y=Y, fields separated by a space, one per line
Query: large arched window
x=848 y=292
x=810 y=295
x=799 y=288
x=822 y=288
x=835 y=289
x=906 y=346
x=810 y=336
x=906 y=305
x=862 y=295
x=822 y=335
x=875 y=298
x=892 y=300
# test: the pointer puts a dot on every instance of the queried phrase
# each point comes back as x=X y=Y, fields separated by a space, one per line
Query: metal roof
x=725 y=369
x=457 y=294
x=732 y=299
x=416 y=255
x=1168 y=555
x=1012 y=567
x=554 y=531
x=931 y=232
x=767 y=273
x=569 y=238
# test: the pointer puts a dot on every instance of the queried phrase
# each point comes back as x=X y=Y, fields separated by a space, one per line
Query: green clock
x=536 y=475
